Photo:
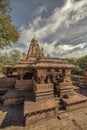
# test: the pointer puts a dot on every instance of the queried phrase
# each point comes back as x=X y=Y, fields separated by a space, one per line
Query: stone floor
x=72 y=120
x=75 y=120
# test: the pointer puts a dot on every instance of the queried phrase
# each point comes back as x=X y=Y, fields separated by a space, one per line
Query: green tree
x=73 y=61
x=81 y=65
x=8 y=32
x=3 y=58
x=10 y=58
x=15 y=56
x=82 y=62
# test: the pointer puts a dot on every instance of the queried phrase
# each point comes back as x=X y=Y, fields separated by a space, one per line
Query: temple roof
x=52 y=65
x=35 y=59
x=44 y=63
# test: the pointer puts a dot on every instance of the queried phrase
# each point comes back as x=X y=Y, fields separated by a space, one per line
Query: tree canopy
x=10 y=58
x=8 y=32
x=81 y=64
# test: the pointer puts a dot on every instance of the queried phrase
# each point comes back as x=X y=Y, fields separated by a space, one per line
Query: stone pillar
x=20 y=71
x=48 y=81
x=61 y=76
x=21 y=77
x=41 y=74
x=67 y=75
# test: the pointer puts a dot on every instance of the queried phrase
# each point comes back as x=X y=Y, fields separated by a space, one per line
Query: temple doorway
x=28 y=76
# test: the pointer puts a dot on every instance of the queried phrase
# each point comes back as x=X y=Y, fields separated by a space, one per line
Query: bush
x=78 y=72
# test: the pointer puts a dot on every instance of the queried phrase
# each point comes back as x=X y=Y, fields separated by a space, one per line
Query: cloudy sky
x=59 y=25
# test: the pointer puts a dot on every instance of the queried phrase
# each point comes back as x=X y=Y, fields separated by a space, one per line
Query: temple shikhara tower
x=38 y=88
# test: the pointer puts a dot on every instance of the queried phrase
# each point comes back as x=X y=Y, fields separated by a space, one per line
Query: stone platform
x=73 y=121
x=74 y=102
x=37 y=111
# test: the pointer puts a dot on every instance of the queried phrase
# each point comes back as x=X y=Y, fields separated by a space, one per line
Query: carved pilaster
x=67 y=75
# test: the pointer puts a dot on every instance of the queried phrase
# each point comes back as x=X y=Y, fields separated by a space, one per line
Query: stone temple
x=38 y=93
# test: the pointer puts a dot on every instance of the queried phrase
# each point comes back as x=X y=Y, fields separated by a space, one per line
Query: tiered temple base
x=23 y=85
x=66 y=88
x=7 y=82
x=35 y=111
x=74 y=102
x=43 y=91
x=70 y=99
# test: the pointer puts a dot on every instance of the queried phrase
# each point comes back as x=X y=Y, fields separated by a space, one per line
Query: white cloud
x=70 y=13
x=76 y=53
x=40 y=10
x=61 y=49
x=26 y=34
x=49 y=48
x=66 y=48
x=9 y=49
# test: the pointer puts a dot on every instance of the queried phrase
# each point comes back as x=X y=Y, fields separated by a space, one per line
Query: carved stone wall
x=43 y=91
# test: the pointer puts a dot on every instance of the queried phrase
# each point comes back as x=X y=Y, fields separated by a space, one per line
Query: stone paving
x=76 y=120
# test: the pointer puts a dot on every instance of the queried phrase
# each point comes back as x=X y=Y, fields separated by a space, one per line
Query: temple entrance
x=28 y=76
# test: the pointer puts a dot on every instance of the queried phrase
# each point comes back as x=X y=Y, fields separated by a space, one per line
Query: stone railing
x=23 y=84
x=54 y=60
x=65 y=84
x=43 y=86
x=7 y=82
